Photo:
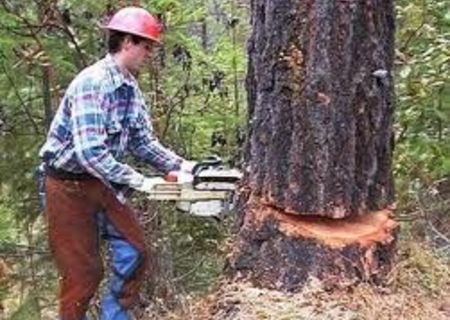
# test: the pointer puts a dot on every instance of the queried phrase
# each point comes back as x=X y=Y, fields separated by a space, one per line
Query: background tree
x=319 y=186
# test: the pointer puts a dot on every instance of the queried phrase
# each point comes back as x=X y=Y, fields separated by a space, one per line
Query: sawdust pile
x=244 y=302
x=419 y=289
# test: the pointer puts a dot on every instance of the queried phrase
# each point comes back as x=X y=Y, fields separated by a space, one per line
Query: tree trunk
x=319 y=185
x=47 y=95
x=158 y=293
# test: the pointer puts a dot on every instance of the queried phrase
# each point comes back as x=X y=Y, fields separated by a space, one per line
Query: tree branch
x=19 y=97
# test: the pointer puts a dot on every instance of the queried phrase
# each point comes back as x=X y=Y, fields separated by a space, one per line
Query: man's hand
x=180 y=176
x=148 y=184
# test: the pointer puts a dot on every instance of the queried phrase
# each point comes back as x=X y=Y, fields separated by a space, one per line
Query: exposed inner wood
x=365 y=230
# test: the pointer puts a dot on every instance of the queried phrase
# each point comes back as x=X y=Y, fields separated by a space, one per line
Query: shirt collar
x=118 y=78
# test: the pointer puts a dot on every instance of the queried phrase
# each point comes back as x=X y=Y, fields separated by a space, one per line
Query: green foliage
x=194 y=88
x=423 y=91
x=28 y=310
x=200 y=88
x=7 y=231
x=197 y=249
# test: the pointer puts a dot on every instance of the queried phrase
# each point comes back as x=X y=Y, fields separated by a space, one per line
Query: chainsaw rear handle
x=208 y=162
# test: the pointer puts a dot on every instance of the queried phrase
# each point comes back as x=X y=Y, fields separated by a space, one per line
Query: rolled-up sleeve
x=89 y=136
x=145 y=145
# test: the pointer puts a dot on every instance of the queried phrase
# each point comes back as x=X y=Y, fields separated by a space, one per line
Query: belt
x=66 y=175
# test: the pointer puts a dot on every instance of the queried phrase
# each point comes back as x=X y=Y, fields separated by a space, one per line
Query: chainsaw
x=209 y=193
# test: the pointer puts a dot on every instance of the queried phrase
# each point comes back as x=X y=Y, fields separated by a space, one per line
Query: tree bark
x=319 y=151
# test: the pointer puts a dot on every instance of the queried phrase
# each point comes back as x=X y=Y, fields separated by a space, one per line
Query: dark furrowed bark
x=321 y=103
x=315 y=200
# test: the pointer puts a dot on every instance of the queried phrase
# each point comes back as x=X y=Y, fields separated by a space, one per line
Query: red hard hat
x=137 y=21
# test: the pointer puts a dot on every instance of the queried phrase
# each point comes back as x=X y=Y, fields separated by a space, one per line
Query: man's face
x=138 y=54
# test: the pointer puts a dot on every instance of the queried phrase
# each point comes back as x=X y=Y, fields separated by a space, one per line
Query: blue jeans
x=125 y=260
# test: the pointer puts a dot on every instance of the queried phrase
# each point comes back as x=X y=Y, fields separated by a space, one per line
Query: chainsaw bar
x=170 y=191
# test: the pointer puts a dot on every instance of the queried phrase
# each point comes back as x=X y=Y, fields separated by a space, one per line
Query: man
x=101 y=117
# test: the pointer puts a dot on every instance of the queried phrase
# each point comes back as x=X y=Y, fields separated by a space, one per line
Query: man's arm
x=144 y=145
x=89 y=133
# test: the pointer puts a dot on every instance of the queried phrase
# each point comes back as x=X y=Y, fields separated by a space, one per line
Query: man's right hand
x=148 y=184
x=180 y=176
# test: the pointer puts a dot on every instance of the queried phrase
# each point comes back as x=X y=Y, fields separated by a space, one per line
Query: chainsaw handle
x=208 y=162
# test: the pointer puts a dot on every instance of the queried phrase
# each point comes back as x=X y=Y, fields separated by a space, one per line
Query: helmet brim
x=139 y=34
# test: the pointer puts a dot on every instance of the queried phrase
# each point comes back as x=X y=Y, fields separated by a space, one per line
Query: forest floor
x=418 y=288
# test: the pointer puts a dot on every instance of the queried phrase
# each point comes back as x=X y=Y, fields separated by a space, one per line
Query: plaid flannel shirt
x=102 y=117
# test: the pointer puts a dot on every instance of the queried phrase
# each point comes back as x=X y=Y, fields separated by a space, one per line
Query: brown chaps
x=71 y=209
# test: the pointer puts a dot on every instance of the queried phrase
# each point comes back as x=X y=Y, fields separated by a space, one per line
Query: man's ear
x=126 y=42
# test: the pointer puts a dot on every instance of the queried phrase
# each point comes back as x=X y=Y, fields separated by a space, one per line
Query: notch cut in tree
x=316 y=200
